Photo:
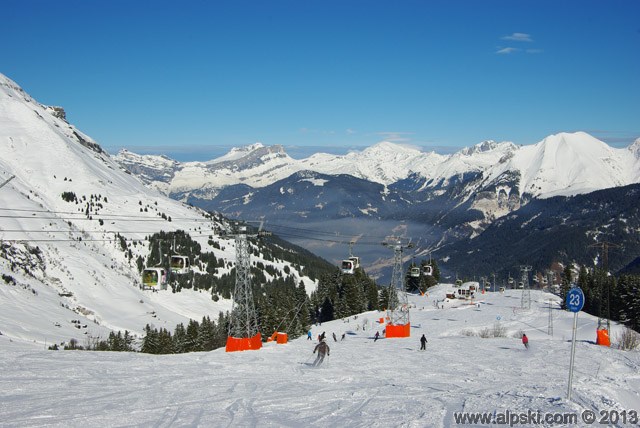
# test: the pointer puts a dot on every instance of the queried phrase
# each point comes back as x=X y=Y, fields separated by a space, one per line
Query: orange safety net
x=244 y=343
x=282 y=338
x=381 y=321
x=602 y=338
x=402 y=330
x=273 y=336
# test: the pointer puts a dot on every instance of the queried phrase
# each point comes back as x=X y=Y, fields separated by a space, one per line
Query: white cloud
x=396 y=137
x=519 y=37
x=506 y=51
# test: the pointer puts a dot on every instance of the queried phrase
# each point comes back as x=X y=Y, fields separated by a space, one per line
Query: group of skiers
x=322 y=336
x=323 y=349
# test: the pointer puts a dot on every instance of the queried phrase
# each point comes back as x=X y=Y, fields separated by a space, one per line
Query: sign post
x=575 y=303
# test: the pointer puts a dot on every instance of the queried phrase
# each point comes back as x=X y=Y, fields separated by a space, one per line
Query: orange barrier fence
x=402 y=330
x=602 y=338
x=244 y=343
x=282 y=338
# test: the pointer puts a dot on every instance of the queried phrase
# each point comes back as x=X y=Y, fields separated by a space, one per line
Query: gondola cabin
x=154 y=278
x=180 y=264
x=427 y=270
x=414 y=272
x=349 y=266
x=468 y=290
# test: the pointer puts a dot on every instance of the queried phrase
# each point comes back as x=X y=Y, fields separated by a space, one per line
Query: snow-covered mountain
x=74 y=224
x=563 y=164
x=441 y=199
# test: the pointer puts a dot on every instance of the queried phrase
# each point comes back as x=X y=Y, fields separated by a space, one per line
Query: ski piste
x=361 y=383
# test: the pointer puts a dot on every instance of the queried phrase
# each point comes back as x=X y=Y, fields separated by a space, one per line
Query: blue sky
x=193 y=78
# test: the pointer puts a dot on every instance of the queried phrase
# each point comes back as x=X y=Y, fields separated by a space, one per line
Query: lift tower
x=243 y=325
x=525 y=301
x=604 y=306
x=398 y=306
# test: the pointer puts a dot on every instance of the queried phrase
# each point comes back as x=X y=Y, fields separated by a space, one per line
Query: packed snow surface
x=362 y=383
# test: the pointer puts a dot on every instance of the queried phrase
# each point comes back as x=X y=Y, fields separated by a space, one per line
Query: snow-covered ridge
x=71 y=205
x=562 y=164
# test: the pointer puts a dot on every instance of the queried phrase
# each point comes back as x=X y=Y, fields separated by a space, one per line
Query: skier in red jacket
x=525 y=340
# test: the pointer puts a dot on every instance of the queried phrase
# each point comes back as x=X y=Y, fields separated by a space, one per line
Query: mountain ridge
x=76 y=231
x=539 y=166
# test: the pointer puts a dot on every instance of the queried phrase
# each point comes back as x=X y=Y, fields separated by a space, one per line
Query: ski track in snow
x=361 y=384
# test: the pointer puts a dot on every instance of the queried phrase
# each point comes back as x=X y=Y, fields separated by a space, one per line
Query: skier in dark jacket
x=323 y=349
x=423 y=343
x=321 y=338
x=376 y=336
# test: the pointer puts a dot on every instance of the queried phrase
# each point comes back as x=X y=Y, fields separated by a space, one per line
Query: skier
x=309 y=335
x=423 y=343
x=342 y=337
x=376 y=336
x=525 y=340
x=321 y=338
x=323 y=349
x=335 y=339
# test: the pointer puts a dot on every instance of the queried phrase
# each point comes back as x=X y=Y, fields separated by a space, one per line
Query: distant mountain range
x=391 y=189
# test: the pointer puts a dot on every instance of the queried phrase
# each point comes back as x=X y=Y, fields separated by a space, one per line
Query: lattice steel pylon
x=550 y=323
x=525 y=302
x=604 y=309
x=398 y=306
x=243 y=323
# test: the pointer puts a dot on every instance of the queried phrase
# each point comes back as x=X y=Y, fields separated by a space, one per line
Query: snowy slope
x=388 y=383
x=61 y=259
x=383 y=163
x=569 y=164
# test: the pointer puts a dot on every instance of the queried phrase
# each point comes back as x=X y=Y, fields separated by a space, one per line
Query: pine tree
x=629 y=296
x=206 y=334
x=165 y=342
x=373 y=295
x=565 y=285
x=191 y=343
x=150 y=341
x=436 y=270
x=384 y=298
x=179 y=339
x=326 y=310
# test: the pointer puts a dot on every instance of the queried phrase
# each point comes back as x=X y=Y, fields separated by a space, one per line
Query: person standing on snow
x=323 y=349
x=335 y=339
x=321 y=338
x=309 y=335
x=525 y=340
x=423 y=343
x=376 y=336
